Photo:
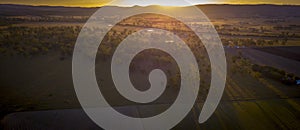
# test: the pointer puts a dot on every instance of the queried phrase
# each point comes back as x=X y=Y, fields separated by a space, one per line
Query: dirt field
x=280 y=57
x=291 y=52
x=247 y=102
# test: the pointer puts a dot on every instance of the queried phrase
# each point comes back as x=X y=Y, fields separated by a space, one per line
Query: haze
x=97 y=3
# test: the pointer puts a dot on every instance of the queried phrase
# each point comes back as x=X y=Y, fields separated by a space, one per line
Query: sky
x=97 y=3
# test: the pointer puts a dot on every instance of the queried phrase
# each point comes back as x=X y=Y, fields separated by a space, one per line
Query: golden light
x=163 y=3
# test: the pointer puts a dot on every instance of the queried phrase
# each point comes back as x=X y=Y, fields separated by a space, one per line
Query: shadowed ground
x=247 y=103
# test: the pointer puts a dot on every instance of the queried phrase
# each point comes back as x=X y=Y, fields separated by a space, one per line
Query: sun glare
x=164 y=3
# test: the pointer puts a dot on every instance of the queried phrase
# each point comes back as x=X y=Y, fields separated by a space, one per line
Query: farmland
x=261 y=49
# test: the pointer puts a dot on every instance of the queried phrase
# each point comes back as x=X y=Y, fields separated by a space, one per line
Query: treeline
x=28 y=41
x=32 y=40
x=249 y=42
x=24 y=19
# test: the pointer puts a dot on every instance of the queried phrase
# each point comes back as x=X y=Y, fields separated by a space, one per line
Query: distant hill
x=23 y=10
x=278 y=11
x=213 y=11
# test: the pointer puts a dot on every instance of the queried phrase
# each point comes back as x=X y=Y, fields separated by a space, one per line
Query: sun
x=97 y=3
x=174 y=3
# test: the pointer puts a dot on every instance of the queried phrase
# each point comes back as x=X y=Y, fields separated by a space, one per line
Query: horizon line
x=217 y=4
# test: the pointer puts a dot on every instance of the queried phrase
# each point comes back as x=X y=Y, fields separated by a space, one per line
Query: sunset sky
x=94 y=3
